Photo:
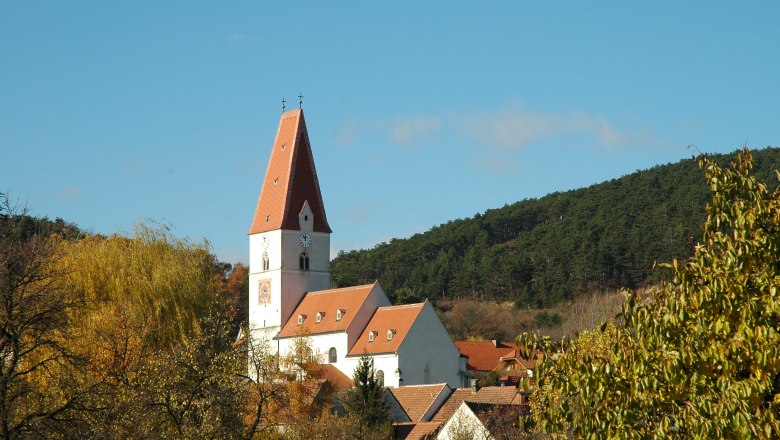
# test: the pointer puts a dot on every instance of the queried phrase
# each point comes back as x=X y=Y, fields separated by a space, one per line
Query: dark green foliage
x=366 y=399
x=541 y=251
x=546 y=319
x=27 y=226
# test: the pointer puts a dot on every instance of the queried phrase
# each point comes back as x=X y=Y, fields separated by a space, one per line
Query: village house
x=501 y=359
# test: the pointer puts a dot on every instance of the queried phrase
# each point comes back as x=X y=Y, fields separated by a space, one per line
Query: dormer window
x=371 y=336
x=339 y=314
x=283 y=147
x=319 y=316
x=301 y=318
x=276 y=181
x=390 y=334
x=268 y=218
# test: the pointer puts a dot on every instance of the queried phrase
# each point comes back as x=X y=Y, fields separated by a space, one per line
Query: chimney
x=473 y=386
x=495 y=342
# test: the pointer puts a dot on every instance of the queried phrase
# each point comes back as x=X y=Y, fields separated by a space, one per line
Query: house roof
x=416 y=400
x=484 y=355
x=396 y=319
x=416 y=431
x=451 y=404
x=290 y=180
x=497 y=395
x=336 y=378
x=327 y=302
x=515 y=356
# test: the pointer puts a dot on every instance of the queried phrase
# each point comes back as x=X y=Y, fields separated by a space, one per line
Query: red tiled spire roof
x=290 y=180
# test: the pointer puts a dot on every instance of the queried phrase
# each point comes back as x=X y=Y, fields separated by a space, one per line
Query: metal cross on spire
x=300 y=100
x=283 y=101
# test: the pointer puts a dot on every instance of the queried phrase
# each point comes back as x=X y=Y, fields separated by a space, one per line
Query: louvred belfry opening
x=290 y=181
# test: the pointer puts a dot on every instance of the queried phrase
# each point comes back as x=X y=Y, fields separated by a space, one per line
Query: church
x=290 y=292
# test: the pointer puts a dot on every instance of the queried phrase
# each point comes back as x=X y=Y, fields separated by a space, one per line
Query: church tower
x=289 y=240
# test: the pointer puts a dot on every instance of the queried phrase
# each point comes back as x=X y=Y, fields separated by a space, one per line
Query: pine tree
x=367 y=398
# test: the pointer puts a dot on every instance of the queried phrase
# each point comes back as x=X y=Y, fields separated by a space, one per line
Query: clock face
x=305 y=240
x=264 y=292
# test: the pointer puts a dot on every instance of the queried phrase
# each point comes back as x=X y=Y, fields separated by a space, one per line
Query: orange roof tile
x=498 y=395
x=348 y=299
x=451 y=405
x=416 y=400
x=396 y=319
x=484 y=355
x=416 y=431
x=336 y=378
x=290 y=180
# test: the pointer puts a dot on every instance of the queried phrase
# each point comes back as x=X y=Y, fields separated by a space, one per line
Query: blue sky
x=418 y=112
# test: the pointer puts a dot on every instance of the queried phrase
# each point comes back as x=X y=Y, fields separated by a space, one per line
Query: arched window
x=380 y=377
x=303 y=261
x=332 y=355
x=266 y=261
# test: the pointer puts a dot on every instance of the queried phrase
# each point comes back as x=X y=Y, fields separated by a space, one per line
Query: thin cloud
x=356 y=215
x=400 y=131
x=518 y=129
x=408 y=131
x=508 y=129
x=69 y=192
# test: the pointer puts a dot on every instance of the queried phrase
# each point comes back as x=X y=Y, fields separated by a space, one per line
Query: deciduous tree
x=36 y=364
x=701 y=357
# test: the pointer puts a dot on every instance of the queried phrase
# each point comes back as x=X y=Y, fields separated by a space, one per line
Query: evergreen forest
x=538 y=252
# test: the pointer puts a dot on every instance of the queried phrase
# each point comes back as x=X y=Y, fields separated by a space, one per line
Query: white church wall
x=321 y=344
x=427 y=354
x=387 y=363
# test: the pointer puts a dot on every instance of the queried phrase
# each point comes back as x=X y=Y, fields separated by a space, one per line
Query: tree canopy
x=701 y=357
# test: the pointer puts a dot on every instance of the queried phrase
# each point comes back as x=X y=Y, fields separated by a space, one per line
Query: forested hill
x=541 y=251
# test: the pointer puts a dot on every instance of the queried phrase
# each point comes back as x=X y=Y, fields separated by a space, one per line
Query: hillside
x=538 y=252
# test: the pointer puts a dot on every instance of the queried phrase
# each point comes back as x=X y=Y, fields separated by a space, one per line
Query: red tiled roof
x=397 y=319
x=484 y=355
x=328 y=302
x=497 y=395
x=451 y=404
x=416 y=431
x=339 y=380
x=416 y=400
x=485 y=395
x=290 y=180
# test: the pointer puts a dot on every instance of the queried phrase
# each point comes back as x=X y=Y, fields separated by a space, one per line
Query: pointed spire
x=290 y=181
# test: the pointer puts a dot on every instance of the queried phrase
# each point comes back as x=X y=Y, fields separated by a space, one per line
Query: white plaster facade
x=464 y=424
x=428 y=355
